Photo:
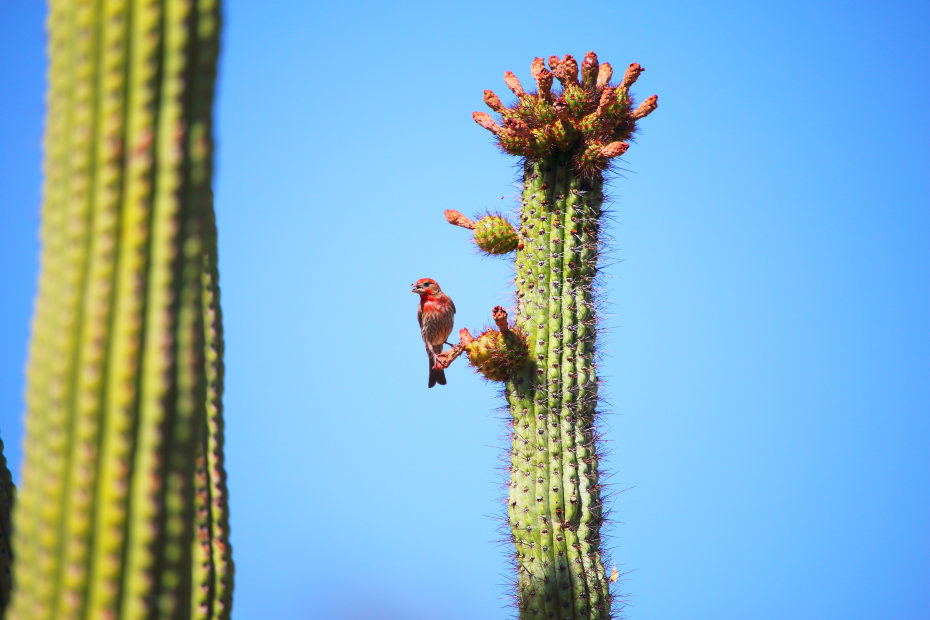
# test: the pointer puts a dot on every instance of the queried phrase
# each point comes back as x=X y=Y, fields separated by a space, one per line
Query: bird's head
x=426 y=286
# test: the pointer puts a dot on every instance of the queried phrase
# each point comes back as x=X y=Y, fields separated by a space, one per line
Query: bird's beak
x=415 y=289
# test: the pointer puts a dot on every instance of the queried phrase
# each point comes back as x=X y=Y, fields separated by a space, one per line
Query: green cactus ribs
x=568 y=138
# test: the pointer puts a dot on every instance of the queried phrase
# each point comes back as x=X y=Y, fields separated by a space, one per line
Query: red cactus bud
x=484 y=119
x=646 y=107
x=631 y=75
x=500 y=318
x=567 y=71
x=589 y=69
x=604 y=73
x=517 y=126
x=561 y=110
x=614 y=149
x=542 y=76
x=493 y=101
x=457 y=219
x=608 y=98
x=465 y=336
x=514 y=84
x=554 y=62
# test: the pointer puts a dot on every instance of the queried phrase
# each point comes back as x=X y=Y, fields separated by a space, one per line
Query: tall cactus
x=124 y=374
x=567 y=140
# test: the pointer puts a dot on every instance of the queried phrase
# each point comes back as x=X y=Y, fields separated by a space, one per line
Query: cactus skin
x=555 y=509
x=123 y=377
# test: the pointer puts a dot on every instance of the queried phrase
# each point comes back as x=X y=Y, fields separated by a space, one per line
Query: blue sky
x=765 y=358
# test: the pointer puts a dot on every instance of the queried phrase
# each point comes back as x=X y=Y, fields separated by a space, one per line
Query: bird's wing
x=452 y=304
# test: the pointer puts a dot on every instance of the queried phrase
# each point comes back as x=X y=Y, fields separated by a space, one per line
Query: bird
x=435 y=316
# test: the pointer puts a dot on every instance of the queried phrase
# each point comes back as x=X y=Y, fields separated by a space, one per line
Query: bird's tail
x=436 y=375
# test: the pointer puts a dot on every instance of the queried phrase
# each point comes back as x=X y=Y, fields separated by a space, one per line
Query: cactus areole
x=567 y=138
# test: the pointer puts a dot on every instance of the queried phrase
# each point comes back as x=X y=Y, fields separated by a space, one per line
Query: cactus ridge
x=568 y=137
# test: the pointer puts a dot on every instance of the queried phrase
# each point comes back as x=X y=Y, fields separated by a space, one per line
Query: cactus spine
x=555 y=506
x=124 y=376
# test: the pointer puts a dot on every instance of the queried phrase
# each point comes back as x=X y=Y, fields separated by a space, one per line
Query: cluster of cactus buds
x=589 y=118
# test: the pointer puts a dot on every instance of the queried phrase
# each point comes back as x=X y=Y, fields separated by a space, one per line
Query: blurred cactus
x=122 y=511
x=7 y=494
x=568 y=138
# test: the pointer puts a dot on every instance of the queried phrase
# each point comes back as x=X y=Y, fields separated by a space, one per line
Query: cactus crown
x=588 y=119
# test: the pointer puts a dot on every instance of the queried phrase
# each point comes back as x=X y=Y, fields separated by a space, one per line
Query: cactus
x=567 y=139
x=122 y=509
x=7 y=494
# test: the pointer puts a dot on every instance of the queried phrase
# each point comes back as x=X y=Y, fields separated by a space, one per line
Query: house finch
x=435 y=316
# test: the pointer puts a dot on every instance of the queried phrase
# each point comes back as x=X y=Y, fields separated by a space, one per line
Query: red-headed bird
x=435 y=316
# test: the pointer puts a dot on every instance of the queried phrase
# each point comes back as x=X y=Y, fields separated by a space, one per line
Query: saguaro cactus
x=122 y=509
x=567 y=140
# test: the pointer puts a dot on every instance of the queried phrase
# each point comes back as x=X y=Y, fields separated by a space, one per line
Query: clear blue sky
x=767 y=348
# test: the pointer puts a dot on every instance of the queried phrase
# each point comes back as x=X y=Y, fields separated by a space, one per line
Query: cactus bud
x=493 y=101
x=484 y=119
x=631 y=75
x=513 y=84
x=567 y=70
x=646 y=107
x=604 y=73
x=589 y=69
